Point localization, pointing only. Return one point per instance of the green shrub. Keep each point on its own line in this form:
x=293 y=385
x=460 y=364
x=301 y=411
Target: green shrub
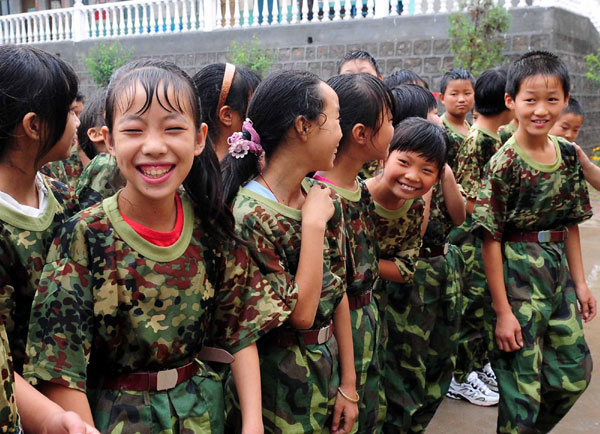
x=252 y=56
x=103 y=59
x=592 y=61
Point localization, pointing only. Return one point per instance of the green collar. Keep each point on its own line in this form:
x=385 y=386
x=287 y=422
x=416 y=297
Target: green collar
x=350 y=195
x=393 y=214
x=485 y=131
x=280 y=208
x=37 y=224
x=548 y=168
x=452 y=128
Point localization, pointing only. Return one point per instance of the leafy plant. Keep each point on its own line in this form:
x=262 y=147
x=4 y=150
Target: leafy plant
x=103 y=59
x=252 y=56
x=476 y=34
x=592 y=61
x=596 y=155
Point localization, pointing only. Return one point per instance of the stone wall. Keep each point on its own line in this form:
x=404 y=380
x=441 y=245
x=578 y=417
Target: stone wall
x=418 y=42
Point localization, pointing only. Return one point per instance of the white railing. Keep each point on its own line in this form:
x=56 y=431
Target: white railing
x=144 y=17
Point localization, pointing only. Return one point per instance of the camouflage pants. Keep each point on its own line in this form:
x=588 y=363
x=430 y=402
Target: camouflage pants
x=194 y=406
x=541 y=382
x=472 y=346
x=366 y=337
x=299 y=387
x=422 y=321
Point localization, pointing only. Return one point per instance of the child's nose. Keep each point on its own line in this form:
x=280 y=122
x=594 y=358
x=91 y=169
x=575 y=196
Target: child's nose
x=154 y=146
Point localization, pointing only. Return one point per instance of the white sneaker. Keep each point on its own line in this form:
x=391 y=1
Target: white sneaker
x=473 y=390
x=488 y=377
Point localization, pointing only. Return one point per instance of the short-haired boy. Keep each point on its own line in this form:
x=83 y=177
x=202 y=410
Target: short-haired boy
x=569 y=122
x=531 y=201
x=421 y=307
x=457 y=93
x=473 y=156
x=358 y=61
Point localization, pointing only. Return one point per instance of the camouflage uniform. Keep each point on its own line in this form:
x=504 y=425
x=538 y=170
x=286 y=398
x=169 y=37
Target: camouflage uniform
x=362 y=269
x=369 y=169
x=475 y=152
x=66 y=171
x=539 y=383
x=9 y=417
x=24 y=242
x=455 y=139
x=100 y=179
x=505 y=132
x=299 y=382
x=109 y=298
x=422 y=318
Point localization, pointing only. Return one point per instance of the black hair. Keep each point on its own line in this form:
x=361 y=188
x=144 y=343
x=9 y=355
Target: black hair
x=455 y=74
x=203 y=182
x=534 y=63
x=573 y=107
x=209 y=81
x=33 y=81
x=423 y=137
x=412 y=100
x=489 y=92
x=404 y=76
x=80 y=97
x=92 y=116
x=363 y=99
x=276 y=104
x=358 y=55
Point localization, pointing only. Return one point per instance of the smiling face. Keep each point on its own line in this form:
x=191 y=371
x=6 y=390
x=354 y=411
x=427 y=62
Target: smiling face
x=154 y=149
x=537 y=105
x=567 y=126
x=409 y=175
x=325 y=133
x=459 y=97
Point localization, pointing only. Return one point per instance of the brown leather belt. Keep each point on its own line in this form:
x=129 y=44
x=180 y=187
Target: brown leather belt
x=167 y=379
x=432 y=252
x=289 y=338
x=536 y=237
x=358 y=301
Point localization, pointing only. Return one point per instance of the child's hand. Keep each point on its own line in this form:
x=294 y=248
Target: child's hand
x=587 y=302
x=318 y=207
x=346 y=410
x=67 y=422
x=582 y=156
x=508 y=333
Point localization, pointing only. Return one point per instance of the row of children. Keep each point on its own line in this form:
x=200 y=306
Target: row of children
x=341 y=299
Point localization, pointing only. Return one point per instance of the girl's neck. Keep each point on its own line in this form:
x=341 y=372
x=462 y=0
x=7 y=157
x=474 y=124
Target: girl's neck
x=159 y=215
x=344 y=171
x=283 y=177
x=221 y=147
x=17 y=178
x=382 y=195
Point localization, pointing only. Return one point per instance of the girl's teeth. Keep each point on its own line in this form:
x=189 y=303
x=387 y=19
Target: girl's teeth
x=155 y=173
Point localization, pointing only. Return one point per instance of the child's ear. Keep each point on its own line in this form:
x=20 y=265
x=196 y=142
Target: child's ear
x=108 y=141
x=302 y=126
x=226 y=115
x=359 y=134
x=567 y=99
x=200 y=139
x=95 y=135
x=509 y=102
x=31 y=126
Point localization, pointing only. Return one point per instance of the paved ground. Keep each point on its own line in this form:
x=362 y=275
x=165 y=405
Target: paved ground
x=460 y=417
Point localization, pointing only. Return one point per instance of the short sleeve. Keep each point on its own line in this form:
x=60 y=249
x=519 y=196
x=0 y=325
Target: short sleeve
x=469 y=167
x=408 y=254
x=581 y=209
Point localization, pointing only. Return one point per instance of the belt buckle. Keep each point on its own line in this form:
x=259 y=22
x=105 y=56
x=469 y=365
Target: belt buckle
x=323 y=335
x=167 y=379
x=544 y=236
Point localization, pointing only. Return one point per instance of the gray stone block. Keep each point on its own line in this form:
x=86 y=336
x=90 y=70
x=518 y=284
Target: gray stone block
x=422 y=47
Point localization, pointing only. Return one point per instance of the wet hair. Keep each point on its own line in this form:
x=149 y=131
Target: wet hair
x=33 y=81
x=92 y=116
x=489 y=92
x=573 y=107
x=209 y=81
x=412 y=100
x=363 y=99
x=534 y=63
x=203 y=183
x=404 y=76
x=358 y=55
x=422 y=137
x=276 y=104
x=455 y=74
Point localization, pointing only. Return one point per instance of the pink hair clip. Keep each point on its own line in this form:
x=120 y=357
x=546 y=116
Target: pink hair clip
x=240 y=146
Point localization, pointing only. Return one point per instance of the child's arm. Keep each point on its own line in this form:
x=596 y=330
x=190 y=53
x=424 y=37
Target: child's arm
x=453 y=199
x=586 y=299
x=40 y=415
x=426 y=211
x=508 y=329
x=246 y=374
x=343 y=334
x=389 y=271
x=590 y=170
x=69 y=399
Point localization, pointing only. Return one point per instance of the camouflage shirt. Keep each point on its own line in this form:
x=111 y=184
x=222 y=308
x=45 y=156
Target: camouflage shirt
x=9 y=417
x=123 y=304
x=455 y=139
x=475 y=152
x=399 y=235
x=439 y=224
x=505 y=132
x=66 y=171
x=101 y=176
x=370 y=169
x=273 y=232
x=24 y=242
x=520 y=194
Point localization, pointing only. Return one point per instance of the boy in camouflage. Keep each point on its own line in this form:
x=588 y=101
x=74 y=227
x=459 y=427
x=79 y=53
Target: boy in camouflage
x=479 y=146
x=531 y=201
x=420 y=307
x=569 y=122
x=457 y=93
